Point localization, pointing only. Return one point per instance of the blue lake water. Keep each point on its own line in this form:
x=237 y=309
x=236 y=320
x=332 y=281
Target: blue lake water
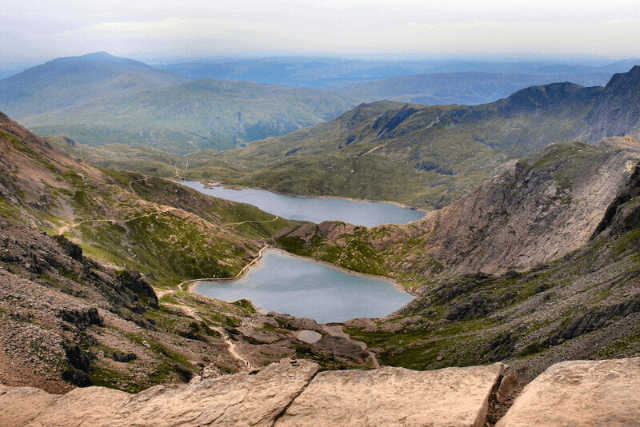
x=304 y=288
x=315 y=209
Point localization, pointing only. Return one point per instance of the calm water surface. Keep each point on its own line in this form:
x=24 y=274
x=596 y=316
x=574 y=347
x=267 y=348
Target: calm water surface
x=314 y=209
x=304 y=288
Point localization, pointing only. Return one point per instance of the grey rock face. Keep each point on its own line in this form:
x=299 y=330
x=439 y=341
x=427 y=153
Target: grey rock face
x=292 y=393
x=580 y=393
x=395 y=397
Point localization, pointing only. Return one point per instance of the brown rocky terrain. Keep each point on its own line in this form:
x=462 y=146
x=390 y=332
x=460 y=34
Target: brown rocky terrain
x=74 y=311
x=293 y=393
x=538 y=210
x=537 y=266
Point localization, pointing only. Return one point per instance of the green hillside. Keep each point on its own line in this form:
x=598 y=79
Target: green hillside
x=203 y=114
x=66 y=82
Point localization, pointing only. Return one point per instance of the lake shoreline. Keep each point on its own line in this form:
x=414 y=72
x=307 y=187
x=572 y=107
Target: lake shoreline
x=309 y=288
x=254 y=263
x=211 y=185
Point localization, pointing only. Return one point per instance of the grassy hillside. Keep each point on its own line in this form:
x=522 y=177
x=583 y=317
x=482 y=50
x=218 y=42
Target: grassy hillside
x=195 y=115
x=416 y=155
x=65 y=82
x=125 y=219
x=421 y=156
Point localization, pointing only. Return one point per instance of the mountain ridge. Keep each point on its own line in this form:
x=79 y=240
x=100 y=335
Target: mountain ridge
x=441 y=152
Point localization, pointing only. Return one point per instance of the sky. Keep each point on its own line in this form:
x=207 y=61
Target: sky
x=35 y=30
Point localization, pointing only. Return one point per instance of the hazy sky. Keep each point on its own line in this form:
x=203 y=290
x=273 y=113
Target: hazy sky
x=32 y=30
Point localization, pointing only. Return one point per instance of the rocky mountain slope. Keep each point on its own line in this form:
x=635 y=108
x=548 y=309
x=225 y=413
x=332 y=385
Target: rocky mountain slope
x=431 y=156
x=536 y=266
x=76 y=311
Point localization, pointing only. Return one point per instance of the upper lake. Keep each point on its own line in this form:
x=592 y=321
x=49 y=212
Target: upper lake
x=315 y=209
x=305 y=288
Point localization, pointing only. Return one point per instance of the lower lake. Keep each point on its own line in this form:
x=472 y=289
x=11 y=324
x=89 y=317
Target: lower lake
x=304 y=288
x=315 y=209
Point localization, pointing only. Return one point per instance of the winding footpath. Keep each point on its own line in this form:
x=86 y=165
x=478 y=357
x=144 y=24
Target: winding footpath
x=249 y=222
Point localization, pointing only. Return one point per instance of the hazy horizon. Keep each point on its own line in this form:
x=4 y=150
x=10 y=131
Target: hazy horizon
x=35 y=32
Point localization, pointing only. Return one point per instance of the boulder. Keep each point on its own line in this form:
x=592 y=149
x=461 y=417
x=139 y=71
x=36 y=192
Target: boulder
x=395 y=397
x=580 y=393
x=341 y=349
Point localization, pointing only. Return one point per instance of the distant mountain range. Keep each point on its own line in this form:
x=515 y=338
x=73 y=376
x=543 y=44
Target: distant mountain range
x=431 y=156
x=98 y=99
x=66 y=82
x=334 y=73
x=466 y=87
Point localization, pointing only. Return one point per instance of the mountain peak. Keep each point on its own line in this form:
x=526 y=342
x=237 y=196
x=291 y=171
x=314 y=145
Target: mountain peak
x=101 y=54
x=622 y=81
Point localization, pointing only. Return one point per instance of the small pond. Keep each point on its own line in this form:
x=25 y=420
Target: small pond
x=315 y=209
x=304 y=288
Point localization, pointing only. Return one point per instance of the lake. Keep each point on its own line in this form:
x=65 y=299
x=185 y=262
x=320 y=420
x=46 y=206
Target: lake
x=315 y=209
x=304 y=288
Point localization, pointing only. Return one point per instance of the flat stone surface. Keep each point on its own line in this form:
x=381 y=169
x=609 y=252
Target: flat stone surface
x=580 y=393
x=243 y=399
x=308 y=336
x=395 y=397
x=20 y=405
x=84 y=407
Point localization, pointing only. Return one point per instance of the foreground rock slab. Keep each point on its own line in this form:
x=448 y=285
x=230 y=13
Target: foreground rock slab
x=20 y=405
x=92 y=406
x=395 y=397
x=580 y=393
x=244 y=399
x=253 y=398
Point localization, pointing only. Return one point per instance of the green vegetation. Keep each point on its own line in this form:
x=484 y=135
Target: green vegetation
x=203 y=114
x=425 y=157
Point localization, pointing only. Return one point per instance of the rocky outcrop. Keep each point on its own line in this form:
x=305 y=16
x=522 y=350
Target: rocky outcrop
x=395 y=396
x=292 y=393
x=540 y=209
x=288 y=393
x=616 y=111
x=580 y=393
x=532 y=214
x=139 y=284
x=21 y=405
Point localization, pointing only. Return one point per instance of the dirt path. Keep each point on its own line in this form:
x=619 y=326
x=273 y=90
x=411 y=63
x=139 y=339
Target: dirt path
x=193 y=282
x=247 y=222
x=136 y=180
x=164 y=209
x=192 y=312
x=232 y=348
x=379 y=146
x=162 y=293
x=436 y=121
